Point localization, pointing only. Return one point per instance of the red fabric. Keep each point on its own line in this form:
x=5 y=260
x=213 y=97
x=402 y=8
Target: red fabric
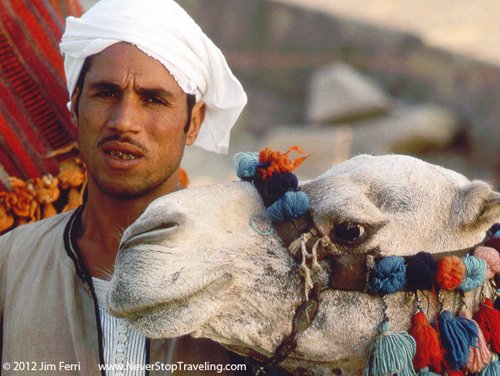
x=34 y=119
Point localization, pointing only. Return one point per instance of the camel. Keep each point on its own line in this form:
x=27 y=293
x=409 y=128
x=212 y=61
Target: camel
x=206 y=261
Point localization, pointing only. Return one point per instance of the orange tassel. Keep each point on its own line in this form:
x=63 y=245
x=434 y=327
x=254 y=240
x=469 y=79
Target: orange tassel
x=488 y=319
x=276 y=162
x=429 y=351
x=450 y=272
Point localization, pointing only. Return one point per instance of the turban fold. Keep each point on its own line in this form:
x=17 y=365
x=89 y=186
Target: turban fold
x=164 y=31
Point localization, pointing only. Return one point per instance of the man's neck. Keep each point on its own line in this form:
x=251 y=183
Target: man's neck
x=103 y=221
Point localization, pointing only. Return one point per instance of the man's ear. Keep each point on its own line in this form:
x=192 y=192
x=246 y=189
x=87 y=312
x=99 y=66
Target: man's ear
x=476 y=205
x=197 y=118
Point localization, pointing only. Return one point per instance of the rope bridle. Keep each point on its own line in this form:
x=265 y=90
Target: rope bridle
x=308 y=247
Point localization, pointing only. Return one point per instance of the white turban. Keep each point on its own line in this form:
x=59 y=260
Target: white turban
x=164 y=31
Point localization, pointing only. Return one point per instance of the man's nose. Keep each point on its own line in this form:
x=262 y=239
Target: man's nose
x=125 y=116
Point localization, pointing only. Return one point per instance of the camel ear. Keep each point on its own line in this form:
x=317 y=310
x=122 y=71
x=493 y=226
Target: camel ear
x=476 y=206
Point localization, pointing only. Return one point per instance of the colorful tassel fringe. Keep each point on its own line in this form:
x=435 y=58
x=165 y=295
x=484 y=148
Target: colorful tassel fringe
x=426 y=372
x=271 y=174
x=480 y=355
x=457 y=335
x=492 y=369
x=429 y=351
x=390 y=353
x=488 y=319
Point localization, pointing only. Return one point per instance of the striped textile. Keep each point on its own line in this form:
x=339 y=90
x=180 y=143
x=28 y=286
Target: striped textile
x=124 y=346
x=34 y=119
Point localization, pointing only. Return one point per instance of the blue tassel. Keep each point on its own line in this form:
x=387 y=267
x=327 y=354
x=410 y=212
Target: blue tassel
x=426 y=372
x=388 y=276
x=477 y=269
x=245 y=164
x=493 y=368
x=290 y=206
x=457 y=334
x=390 y=353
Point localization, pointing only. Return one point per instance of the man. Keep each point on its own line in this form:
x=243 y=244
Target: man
x=144 y=82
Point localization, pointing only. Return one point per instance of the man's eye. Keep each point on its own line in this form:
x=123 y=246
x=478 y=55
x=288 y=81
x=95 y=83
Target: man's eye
x=156 y=100
x=104 y=94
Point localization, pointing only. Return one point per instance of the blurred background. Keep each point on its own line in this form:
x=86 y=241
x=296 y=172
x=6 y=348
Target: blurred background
x=338 y=77
x=343 y=77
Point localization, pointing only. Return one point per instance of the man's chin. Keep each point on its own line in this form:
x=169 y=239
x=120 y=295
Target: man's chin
x=125 y=191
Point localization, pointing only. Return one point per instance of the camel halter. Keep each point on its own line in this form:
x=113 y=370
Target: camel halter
x=368 y=273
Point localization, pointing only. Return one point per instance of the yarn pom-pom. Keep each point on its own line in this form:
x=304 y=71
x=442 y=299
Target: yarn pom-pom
x=492 y=258
x=493 y=243
x=426 y=372
x=420 y=272
x=480 y=355
x=492 y=369
x=290 y=206
x=245 y=164
x=495 y=230
x=477 y=270
x=388 y=275
x=450 y=272
x=390 y=353
x=488 y=319
x=272 y=189
x=429 y=351
x=274 y=162
x=458 y=334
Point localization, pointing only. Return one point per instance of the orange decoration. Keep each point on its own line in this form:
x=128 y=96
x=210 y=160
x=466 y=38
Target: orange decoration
x=450 y=272
x=46 y=193
x=22 y=200
x=183 y=178
x=72 y=177
x=6 y=217
x=276 y=162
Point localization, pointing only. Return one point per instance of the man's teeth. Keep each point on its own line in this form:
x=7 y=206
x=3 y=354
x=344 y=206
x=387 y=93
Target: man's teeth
x=121 y=155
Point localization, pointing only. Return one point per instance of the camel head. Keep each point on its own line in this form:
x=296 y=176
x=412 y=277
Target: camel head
x=207 y=262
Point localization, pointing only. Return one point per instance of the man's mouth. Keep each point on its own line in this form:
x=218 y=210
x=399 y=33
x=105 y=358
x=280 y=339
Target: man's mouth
x=121 y=155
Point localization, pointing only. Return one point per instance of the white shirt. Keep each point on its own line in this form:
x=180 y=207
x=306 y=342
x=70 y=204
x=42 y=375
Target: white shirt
x=124 y=346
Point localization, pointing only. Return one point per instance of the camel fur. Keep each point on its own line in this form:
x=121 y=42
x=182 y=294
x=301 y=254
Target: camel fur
x=201 y=261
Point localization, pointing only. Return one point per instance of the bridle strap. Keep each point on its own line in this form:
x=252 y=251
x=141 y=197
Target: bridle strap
x=302 y=319
x=349 y=271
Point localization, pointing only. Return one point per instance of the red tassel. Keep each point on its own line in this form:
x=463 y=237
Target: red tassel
x=488 y=319
x=452 y=372
x=429 y=351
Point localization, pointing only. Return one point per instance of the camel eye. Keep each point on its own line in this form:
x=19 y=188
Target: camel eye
x=349 y=233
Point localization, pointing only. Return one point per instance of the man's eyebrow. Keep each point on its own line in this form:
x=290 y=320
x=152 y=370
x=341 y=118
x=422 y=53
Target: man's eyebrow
x=154 y=92
x=104 y=85
x=143 y=91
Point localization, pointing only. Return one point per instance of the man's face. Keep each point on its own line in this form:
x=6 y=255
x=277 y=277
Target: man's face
x=131 y=120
